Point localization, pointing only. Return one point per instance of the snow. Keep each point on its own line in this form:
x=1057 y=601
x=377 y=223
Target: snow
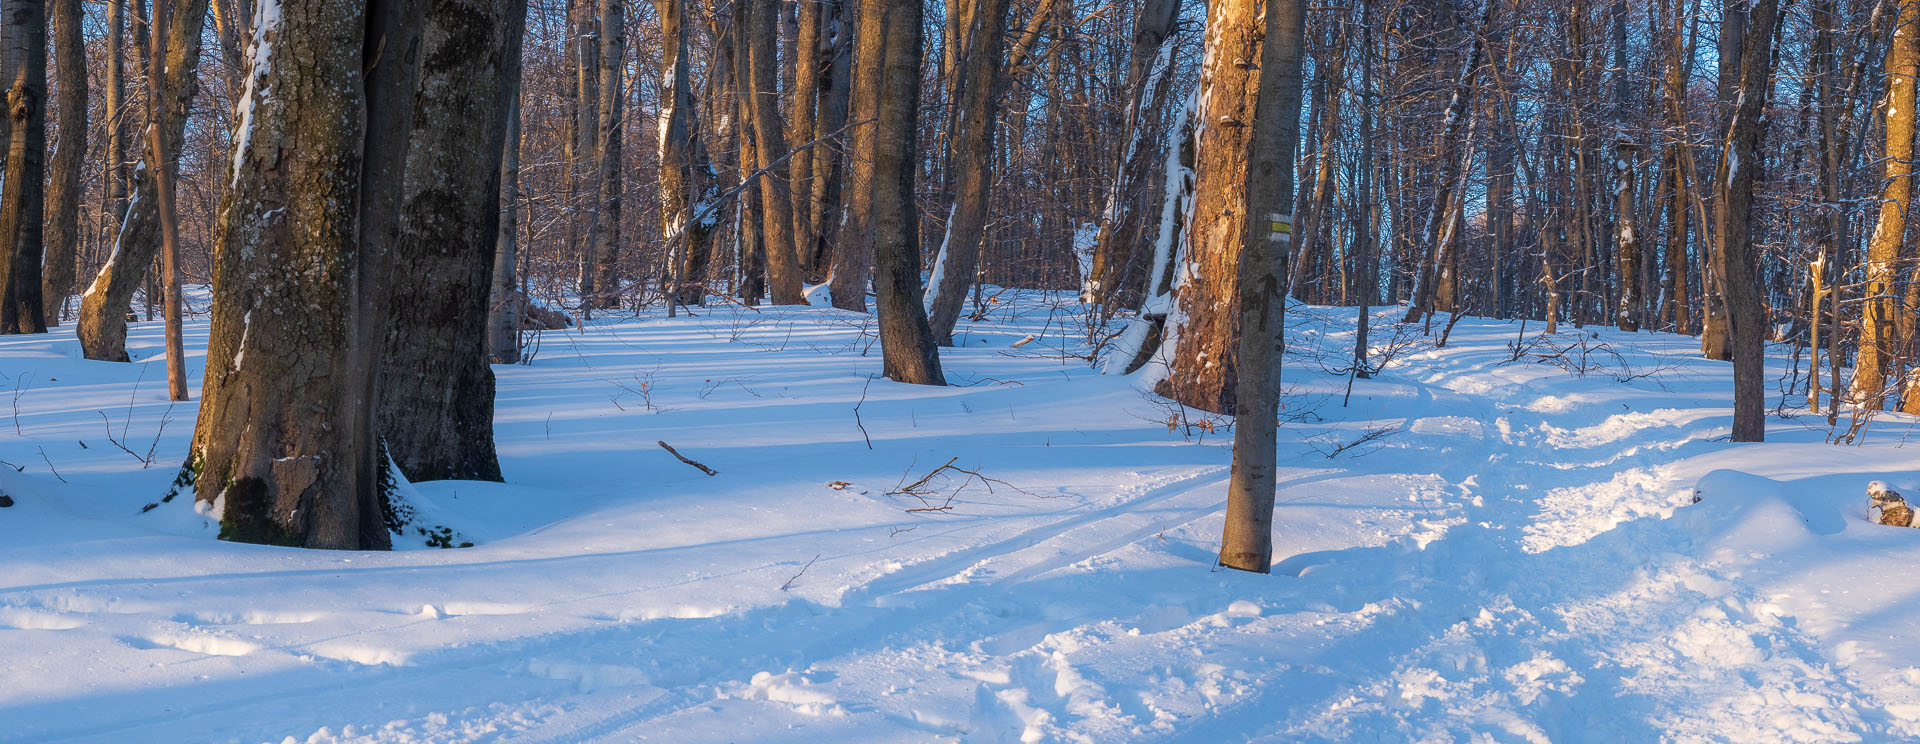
x=1519 y=557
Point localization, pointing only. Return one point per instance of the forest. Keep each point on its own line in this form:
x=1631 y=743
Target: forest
x=1143 y=370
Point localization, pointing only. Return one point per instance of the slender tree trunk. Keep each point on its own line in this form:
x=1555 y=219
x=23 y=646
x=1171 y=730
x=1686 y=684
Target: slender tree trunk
x=784 y=280
x=1456 y=117
x=286 y=450
x=606 y=225
x=894 y=47
x=506 y=305
x=970 y=163
x=585 y=160
x=1127 y=227
x=23 y=201
x=436 y=402
x=805 y=75
x=683 y=187
x=114 y=170
x=1246 y=542
x=1739 y=259
x=163 y=192
x=63 y=189
x=102 y=326
x=1883 y=249
x=854 y=255
x=836 y=78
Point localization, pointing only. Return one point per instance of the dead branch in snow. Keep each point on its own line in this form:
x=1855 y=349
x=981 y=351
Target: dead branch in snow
x=683 y=458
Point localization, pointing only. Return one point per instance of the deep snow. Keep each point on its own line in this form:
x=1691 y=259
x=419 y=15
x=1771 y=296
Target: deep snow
x=1514 y=556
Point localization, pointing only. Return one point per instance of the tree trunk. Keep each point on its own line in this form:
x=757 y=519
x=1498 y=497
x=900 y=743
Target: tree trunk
x=827 y=186
x=760 y=19
x=285 y=450
x=1456 y=116
x=683 y=187
x=1205 y=326
x=157 y=152
x=102 y=326
x=604 y=244
x=1883 y=249
x=436 y=388
x=1246 y=542
x=23 y=201
x=970 y=163
x=806 y=74
x=63 y=189
x=506 y=305
x=114 y=170
x=1738 y=258
x=890 y=42
x=854 y=255
x=1115 y=271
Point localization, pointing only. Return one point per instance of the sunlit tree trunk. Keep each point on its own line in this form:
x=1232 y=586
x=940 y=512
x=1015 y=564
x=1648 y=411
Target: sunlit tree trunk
x=1883 y=249
x=894 y=48
x=23 y=200
x=63 y=188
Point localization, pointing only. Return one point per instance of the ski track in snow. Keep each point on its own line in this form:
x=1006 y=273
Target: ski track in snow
x=1518 y=560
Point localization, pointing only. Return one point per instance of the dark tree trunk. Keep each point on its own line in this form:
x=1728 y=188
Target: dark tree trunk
x=285 y=450
x=436 y=402
x=854 y=255
x=605 y=243
x=23 y=201
x=683 y=185
x=836 y=78
x=761 y=23
x=1738 y=259
x=893 y=47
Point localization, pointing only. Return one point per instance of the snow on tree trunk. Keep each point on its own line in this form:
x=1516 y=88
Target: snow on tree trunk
x=971 y=157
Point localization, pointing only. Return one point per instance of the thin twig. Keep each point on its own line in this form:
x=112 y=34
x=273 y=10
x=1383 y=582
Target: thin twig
x=803 y=571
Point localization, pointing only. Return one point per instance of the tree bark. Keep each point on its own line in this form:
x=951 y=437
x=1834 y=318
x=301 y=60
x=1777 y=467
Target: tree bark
x=683 y=186
x=1738 y=259
x=828 y=182
x=285 y=450
x=506 y=304
x=906 y=342
x=1883 y=249
x=157 y=152
x=977 y=93
x=63 y=189
x=1116 y=270
x=1456 y=116
x=23 y=201
x=436 y=402
x=1246 y=541
x=605 y=242
x=102 y=326
x=854 y=255
x=784 y=281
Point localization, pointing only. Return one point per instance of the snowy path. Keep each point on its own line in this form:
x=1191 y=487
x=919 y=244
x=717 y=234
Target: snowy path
x=1515 y=559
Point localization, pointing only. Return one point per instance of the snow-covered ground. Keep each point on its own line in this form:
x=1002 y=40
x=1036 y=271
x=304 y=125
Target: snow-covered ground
x=1512 y=555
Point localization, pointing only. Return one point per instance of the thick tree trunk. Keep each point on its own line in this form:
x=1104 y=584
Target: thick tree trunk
x=436 y=388
x=906 y=342
x=285 y=450
x=1205 y=327
x=63 y=188
x=1738 y=258
x=1883 y=249
x=102 y=326
x=23 y=201
x=1246 y=542
x=784 y=280
x=970 y=161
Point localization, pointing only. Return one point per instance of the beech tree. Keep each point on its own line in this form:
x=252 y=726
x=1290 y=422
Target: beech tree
x=889 y=87
x=23 y=200
x=286 y=447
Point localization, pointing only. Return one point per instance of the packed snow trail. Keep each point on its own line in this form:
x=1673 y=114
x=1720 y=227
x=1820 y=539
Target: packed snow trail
x=1475 y=547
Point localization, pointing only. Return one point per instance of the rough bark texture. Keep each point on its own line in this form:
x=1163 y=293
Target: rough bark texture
x=1883 y=249
x=784 y=282
x=970 y=161
x=854 y=255
x=63 y=188
x=102 y=326
x=1738 y=258
x=436 y=391
x=285 y=450
x=1202 y=371
x=906 y=342
x=1246 y=541
x=23 y=201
